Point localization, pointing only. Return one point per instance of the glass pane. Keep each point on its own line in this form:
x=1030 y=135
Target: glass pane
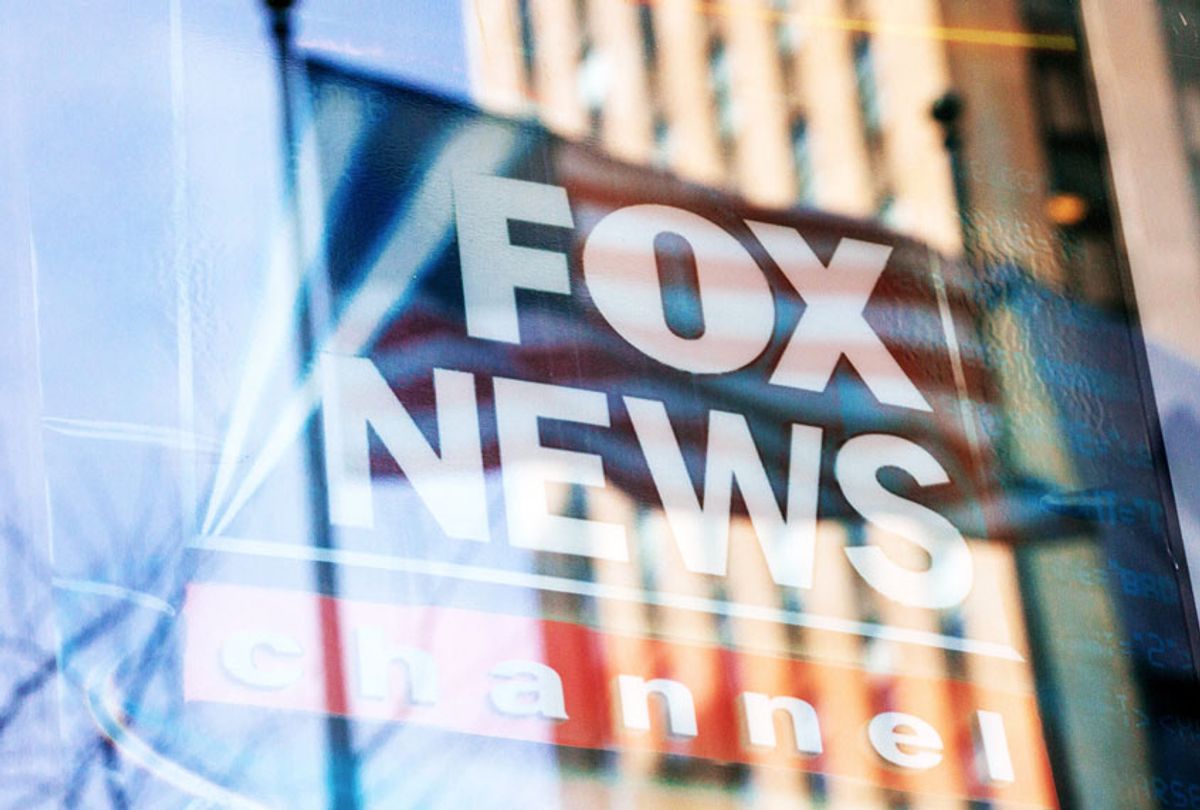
x=600 y=404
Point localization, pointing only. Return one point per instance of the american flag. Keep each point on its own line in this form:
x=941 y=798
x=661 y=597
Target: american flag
x=404 y=138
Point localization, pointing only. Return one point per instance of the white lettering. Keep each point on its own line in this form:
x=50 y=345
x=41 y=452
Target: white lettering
x=702 y=533
x=948 y=579
x=242 y=651
x=450 y=485
x=832 y=324
x=375 y=657
x=887 y=738
x=528 y=689
x=492 y=267
x=759 y=712
x=621 y=270
x=634 y=694
x=997 y=761
x=527 y=466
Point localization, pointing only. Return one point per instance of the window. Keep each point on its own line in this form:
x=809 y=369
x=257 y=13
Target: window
x=593 y=80
x=720 y=80
x=868 y=90
x=1064 y=107
x=802 y=159
x=646 y=27
x=662 y=141
x=528 y=39
x=440 y=459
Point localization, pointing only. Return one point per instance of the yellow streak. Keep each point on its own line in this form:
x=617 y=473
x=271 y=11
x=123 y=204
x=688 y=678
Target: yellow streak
x=971 y=36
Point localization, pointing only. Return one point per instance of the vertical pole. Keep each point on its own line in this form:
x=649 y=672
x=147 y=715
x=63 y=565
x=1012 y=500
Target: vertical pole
x=341 y=766
x=947 y=111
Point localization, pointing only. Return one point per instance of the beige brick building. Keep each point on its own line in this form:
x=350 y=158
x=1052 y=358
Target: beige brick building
x=823 y=104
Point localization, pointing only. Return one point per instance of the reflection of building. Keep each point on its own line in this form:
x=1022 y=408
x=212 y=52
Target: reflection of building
x=891 y=676
x=783 y=107
x=826 y=103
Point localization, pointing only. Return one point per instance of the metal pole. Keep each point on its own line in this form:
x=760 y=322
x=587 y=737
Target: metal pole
x=342 y=764
x=947 y=111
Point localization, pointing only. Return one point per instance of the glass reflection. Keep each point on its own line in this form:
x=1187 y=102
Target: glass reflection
x=619 y=549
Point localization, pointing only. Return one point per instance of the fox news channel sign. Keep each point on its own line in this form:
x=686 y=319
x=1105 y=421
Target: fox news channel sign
x=527 y=335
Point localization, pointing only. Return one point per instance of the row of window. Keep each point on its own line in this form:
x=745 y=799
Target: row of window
x=595 y=80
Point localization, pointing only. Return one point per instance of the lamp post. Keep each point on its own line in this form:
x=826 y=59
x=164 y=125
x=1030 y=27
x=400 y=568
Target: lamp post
x=947 y=111
x=341 y=758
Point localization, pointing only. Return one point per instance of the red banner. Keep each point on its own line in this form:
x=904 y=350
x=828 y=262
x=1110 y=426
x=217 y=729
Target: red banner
x=522 y=678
